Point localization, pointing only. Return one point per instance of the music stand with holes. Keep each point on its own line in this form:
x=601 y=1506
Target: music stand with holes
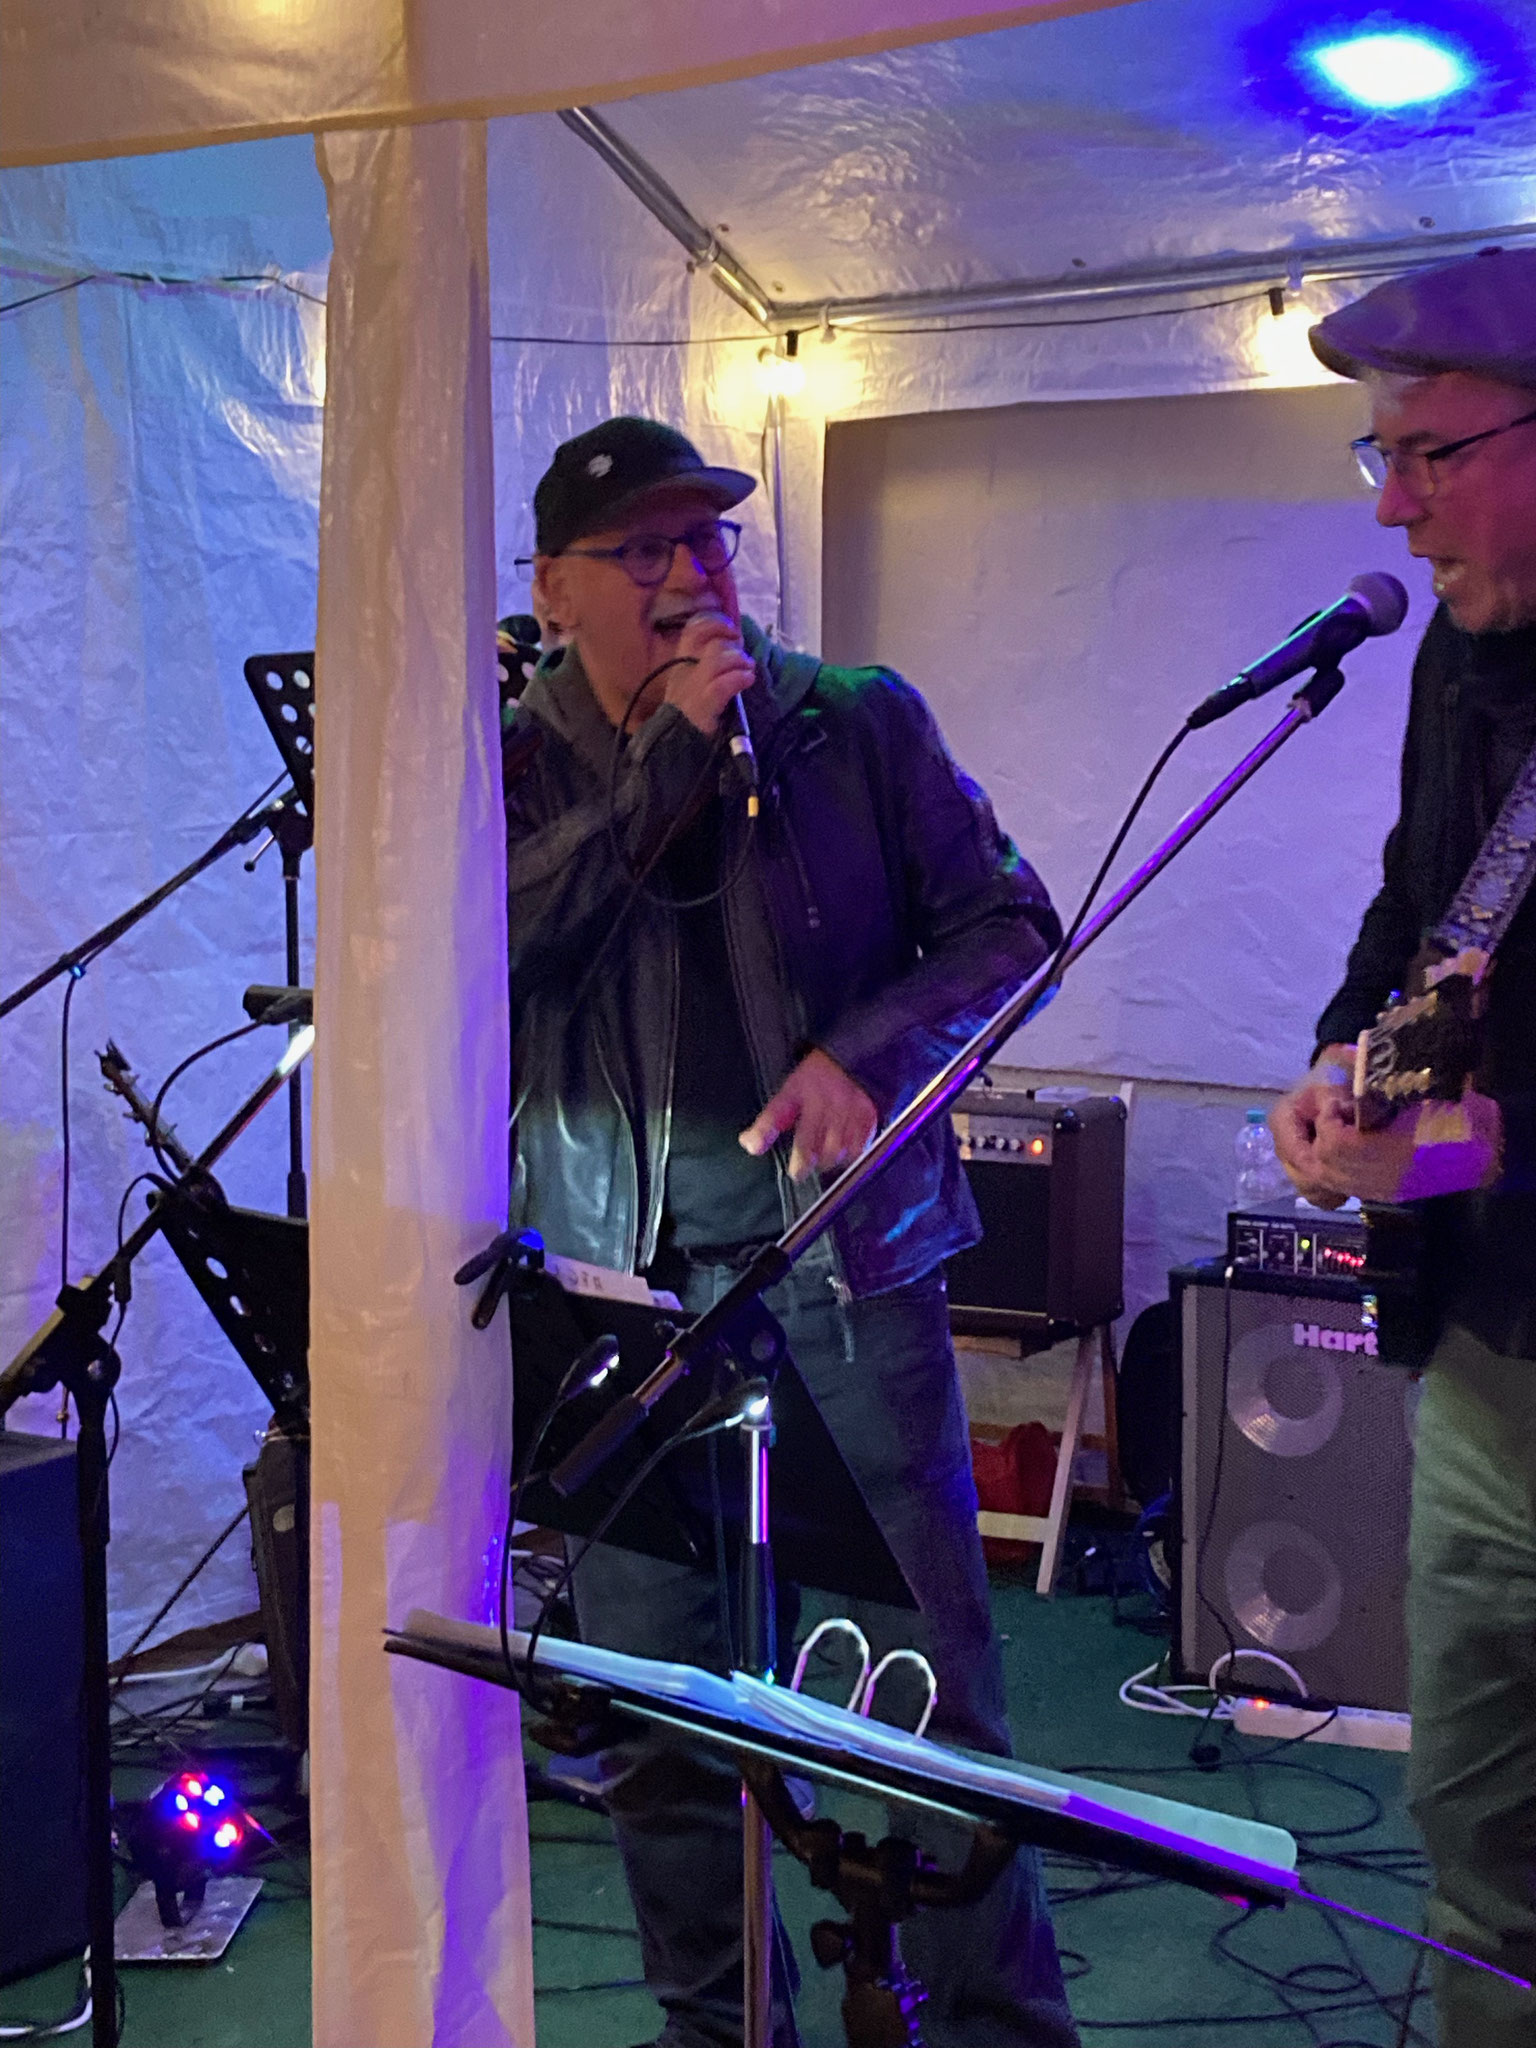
x=283 y=686
x=823 y=1533
x=252 y=1271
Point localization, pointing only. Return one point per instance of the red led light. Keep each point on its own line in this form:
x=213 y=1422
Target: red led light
x=194 y=1787
x=1037 y=1146
x=226 y=1836
x=191 y=1820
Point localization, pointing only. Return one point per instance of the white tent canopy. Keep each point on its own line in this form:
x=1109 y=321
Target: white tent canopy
x=1002 y=253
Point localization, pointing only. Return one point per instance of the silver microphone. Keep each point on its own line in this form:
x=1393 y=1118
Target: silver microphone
x=740 y=768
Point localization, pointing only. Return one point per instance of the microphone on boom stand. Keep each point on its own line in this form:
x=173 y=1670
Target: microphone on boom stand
x=1373 y=604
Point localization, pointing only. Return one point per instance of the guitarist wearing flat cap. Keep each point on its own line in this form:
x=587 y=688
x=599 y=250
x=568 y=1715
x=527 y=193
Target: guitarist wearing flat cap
x=1423 y=1088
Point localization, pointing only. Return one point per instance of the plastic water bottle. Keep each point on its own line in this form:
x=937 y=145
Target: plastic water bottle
x=1260 y=1176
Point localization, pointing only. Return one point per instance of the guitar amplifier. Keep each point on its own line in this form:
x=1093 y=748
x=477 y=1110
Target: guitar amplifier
x=1049 y=1181
x=1295 y=1473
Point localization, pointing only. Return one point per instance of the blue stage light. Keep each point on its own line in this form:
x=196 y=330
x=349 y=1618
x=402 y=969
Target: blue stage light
x=1385 y=69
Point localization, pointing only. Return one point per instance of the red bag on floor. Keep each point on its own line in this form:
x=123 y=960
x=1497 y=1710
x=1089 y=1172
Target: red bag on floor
x=1014 y=1471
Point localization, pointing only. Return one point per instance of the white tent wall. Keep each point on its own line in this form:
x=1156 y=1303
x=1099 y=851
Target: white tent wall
x=161 y=461
x=576 y=260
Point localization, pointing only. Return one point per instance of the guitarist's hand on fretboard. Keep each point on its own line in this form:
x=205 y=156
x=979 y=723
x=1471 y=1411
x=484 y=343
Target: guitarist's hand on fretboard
x=1294 y=1121
x=1430 y=1148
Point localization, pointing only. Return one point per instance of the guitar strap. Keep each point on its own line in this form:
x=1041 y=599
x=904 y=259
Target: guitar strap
x=1501 y=873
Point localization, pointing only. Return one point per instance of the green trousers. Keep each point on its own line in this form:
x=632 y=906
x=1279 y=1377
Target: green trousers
x=1472 y=1627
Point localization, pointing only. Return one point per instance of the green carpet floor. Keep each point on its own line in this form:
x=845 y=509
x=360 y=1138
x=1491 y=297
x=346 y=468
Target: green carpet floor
x=1152 y=1963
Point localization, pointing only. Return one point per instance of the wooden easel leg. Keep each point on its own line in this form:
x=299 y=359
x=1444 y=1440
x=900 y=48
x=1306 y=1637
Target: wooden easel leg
x=1066 y=1458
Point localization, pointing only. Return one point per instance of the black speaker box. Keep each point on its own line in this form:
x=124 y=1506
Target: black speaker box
x=1049 y=1181
x=277 y=1488
x=1296 y=1467
x=42 y=1788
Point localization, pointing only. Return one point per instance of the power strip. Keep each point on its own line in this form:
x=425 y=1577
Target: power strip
x=1356 y=1727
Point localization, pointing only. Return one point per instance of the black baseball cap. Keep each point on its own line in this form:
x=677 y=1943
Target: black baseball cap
x=1476 y=314
x=599 y=474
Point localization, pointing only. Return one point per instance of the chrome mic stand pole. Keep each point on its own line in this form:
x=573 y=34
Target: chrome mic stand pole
x=758 y=1657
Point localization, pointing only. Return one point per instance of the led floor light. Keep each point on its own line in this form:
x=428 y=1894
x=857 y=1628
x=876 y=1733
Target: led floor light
x=189 y=1830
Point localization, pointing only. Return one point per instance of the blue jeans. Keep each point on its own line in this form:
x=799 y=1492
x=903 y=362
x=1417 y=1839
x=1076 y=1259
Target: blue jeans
x=882 y=1373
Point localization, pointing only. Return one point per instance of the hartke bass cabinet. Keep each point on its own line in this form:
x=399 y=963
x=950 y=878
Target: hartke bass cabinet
x=1295 y=1473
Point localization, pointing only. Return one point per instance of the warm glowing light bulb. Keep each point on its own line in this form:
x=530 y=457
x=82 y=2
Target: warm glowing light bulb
x=1393 y=68
x=780 y=376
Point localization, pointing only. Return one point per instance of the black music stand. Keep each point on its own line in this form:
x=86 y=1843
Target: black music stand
x=823 y=1534
x=284 y=688
x=600 y=1696
x=252 y=1271
x=820 y=1533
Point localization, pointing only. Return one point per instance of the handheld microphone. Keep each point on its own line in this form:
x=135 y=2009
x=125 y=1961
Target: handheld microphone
x=1374 y=604
x=739 y=770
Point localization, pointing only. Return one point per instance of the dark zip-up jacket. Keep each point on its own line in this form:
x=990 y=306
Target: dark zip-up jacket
x=880 y=914
x=1471 y=721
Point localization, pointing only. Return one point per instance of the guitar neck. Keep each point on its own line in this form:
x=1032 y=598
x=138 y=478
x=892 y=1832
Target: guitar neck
x=118 y=1075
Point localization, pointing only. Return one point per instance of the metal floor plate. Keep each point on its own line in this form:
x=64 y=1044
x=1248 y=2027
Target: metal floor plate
x=141 y=1939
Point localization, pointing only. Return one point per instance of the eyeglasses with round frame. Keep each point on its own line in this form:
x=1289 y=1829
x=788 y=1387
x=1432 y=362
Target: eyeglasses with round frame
x=1415 y=467
x=646 y=558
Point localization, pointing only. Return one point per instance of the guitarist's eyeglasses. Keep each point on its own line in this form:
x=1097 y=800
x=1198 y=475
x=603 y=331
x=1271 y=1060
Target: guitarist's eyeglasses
x=1416 y=466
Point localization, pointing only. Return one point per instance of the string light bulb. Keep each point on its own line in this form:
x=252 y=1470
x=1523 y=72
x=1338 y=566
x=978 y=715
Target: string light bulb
x=780 y=370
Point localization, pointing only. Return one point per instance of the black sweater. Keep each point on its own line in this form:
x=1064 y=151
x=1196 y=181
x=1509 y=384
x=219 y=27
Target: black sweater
x=1471 y=722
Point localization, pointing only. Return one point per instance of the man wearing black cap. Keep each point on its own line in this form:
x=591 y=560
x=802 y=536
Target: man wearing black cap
x=1449 y=356
x=717 y=993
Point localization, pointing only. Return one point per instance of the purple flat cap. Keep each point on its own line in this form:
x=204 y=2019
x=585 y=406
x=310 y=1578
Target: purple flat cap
x=1477 y=314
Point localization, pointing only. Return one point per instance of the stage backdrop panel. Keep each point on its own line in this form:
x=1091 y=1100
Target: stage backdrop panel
x=1066 y=582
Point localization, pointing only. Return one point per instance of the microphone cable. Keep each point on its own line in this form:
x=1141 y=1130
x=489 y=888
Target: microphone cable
x=640 y=875
x=1053 y=979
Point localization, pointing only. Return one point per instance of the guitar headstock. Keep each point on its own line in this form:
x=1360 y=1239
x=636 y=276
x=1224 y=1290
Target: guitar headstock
x=119 y=1077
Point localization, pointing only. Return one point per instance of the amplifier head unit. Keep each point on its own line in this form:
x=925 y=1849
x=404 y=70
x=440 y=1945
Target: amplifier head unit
x=1279 y=1237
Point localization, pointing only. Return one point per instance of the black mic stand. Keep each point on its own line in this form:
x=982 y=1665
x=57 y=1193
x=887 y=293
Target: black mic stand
x=722 y=1325
x=770 y=1266
x=283 y=686
x=294 y=832
x=71 y=1351
x=759 y=1654
x=268 y=818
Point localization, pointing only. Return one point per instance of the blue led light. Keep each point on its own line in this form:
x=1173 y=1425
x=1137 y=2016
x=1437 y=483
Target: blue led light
x=1387 y=69
x=1377 y=70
